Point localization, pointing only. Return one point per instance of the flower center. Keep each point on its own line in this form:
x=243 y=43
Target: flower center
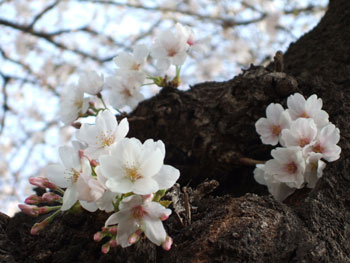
x=136 y=66
x=126 y=92
x=291 y=168
x=303 y=142
x=75 y=175
x=318 y=148
x=172 y=52
x=107 y=140
x=133 y=174
x=78 y=103
x=276 y=130
x=304 y=115
x=138 y=212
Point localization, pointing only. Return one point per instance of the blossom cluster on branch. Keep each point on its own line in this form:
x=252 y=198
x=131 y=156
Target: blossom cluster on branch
x=308 y=141
x=103 y=169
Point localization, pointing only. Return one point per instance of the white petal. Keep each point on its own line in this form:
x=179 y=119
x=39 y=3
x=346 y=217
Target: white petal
x=259 y=174
x=273 y=112
x=144 y=186
x=156 y=210
x=70 y=197
x=89 y=206
x=151 y=163
x=123 y=185
x=69 y=157
x=56 y=174
x=167 y=176
x=154 y=230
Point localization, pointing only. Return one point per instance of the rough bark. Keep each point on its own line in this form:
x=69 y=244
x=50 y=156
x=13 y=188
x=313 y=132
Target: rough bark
x=208 y=131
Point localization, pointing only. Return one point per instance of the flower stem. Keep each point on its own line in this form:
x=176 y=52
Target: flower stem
x=249 y=161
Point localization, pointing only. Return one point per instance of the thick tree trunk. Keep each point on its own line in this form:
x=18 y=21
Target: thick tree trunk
x=209 y=132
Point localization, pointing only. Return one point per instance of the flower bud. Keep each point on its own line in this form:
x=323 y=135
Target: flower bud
x=167 y=243
x=105 y=248
x=33 y=200
x=113 y=230
x=76 y=125
x=38 y=227
x=42 y=182
x=135 y=237
x=98 y=236
x=94 y=163
x=113 y=243
x=50 y=197
x=31 y=210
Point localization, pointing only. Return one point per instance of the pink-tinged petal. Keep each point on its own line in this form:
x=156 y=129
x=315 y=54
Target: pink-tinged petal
x=69 y=157
x=124 y=60
x=145 y=186
x=89 y=206
x=270 y=140
x=125 y=230
x=273 y=113
x=56 y=174
x=70 y=197
x=280 y=191
x=329 y=134
x=332 y=153
x=151 y=163
x=156 y=210
x=321 y=118
x=313 y=103
x=167 y=176
x=116 y=218
x=123 y=185
x=154 y=230
x=263 y=127
x=296 y=105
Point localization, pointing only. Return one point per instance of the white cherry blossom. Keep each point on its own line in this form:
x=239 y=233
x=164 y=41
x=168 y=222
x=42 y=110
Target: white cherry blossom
x=298 y=107
x=270 y=128
x=169 y=49
x=125 y=90
x=71 y=174
x=326 y=143
x=72 y=104
x=301 y=133
x=280 y=191
x=288 y=166
x=104 y=135
x=90 y=82
x=134 y=62
x=195 y=45
x=135 y=214
x=138 y=168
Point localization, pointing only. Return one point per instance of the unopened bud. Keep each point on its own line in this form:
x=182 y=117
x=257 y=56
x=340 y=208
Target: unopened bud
x=113 y=230
x=50 y=197
x=133 y=238
x=31 y=210
x=42 y=182
x=98 y=236
x=33 y=200
x=105 y=248
x=113 y=243
x=164 y=217
x=167 y=243
x=38 y=227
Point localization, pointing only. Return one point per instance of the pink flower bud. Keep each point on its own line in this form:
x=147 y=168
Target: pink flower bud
x=113 y=243
x=113 y=230
x=31 y=210
x=38 y=227
x=42 y=182
x=105 y=248
x=135 y=237
x=167 y=243
x=33 y=200
x=98 y=236
x=50 y=197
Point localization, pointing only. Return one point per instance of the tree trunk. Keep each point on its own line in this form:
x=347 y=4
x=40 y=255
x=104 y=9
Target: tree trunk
x=209 y=133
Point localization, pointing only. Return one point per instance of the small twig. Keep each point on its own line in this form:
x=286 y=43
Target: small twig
x=249 y=161
x=187 y=206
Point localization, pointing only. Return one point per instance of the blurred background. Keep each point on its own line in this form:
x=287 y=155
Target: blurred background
x=44 y=45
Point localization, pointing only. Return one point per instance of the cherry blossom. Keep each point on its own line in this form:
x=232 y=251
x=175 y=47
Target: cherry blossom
x=314 y=169
x=195 y=45
x=270 y=128
x=301 y=133
x=131 y=63
x=125 y=90
x=280 y=191
x=326 y=143
x=138 y=168
x=288 y=166
x=104 y=135
x=169 y=48
x=137 y=215
x=90 y=82
x=73 y=104
x=298 y=107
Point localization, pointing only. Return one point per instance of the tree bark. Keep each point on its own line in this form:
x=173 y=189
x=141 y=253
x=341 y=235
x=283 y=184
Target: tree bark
x=209 y=134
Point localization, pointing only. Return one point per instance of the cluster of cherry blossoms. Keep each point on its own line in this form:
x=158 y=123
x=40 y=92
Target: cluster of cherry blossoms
x=123 y=89
x=103 y=169
x=307 y=138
